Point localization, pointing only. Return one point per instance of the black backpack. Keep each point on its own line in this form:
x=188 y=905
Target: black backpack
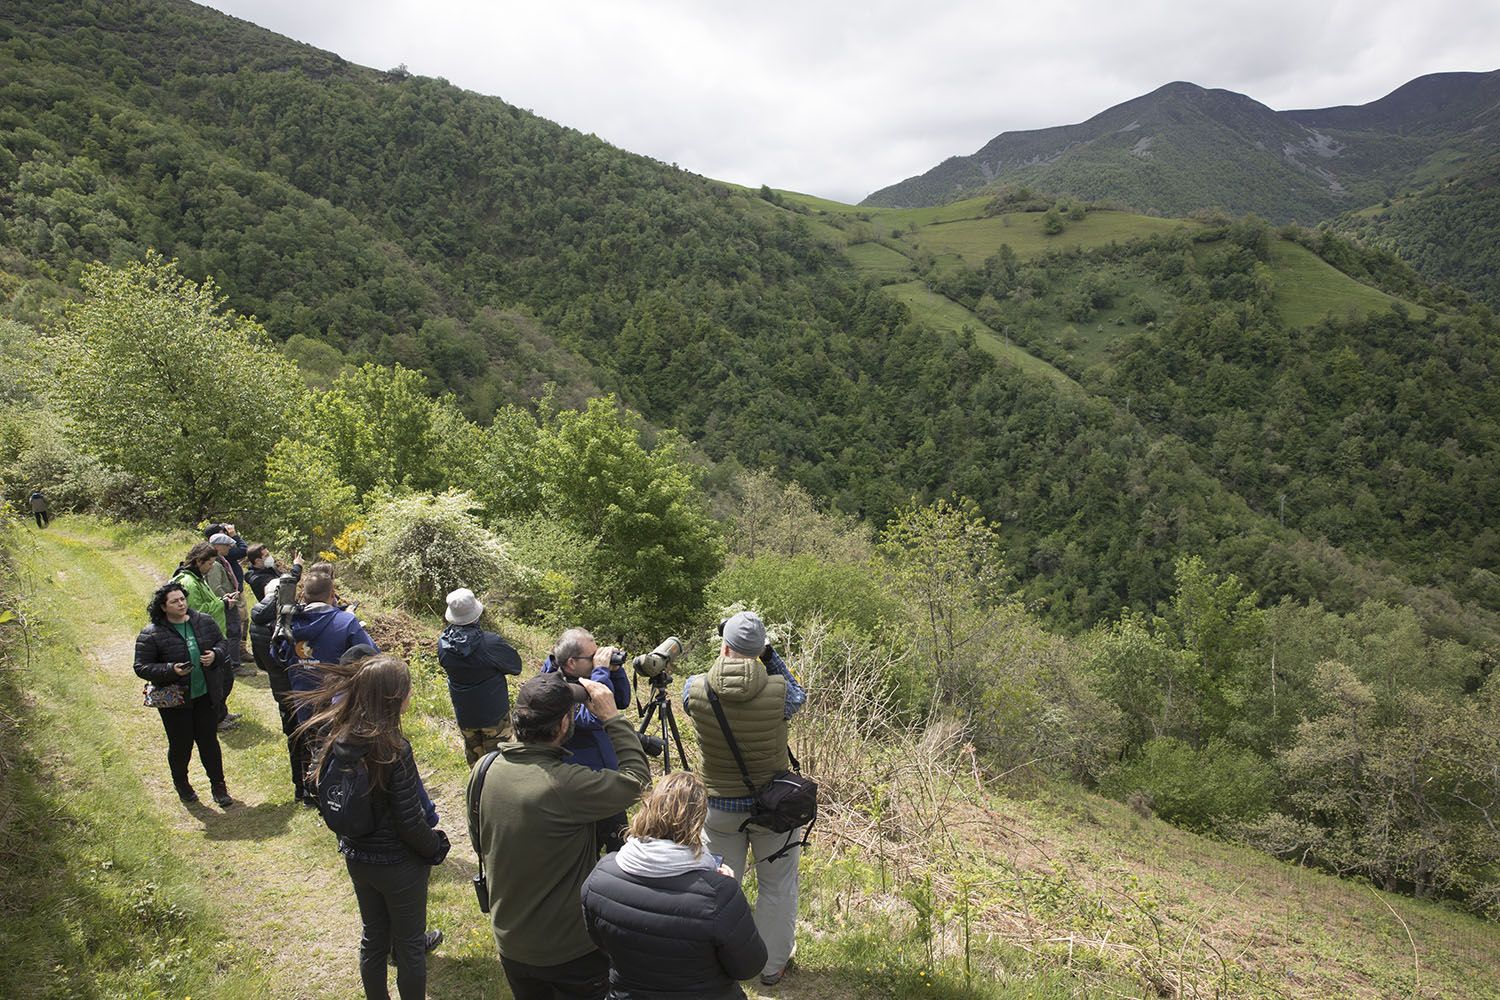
x=344 y=794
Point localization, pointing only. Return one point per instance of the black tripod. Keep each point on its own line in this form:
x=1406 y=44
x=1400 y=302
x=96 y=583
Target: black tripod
x=661 y=706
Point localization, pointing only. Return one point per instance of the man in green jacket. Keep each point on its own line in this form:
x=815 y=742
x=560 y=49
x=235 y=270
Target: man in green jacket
x=536 y=835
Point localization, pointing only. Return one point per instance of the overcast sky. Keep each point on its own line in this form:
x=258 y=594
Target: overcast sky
x=841 y=98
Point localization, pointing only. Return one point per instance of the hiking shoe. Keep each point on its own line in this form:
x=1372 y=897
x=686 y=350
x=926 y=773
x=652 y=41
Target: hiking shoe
x=430 y=940
x=222 y=796
x=233 y=716
x=186 y=793
x=228 y=723
x=772 y=978
x=244 y=671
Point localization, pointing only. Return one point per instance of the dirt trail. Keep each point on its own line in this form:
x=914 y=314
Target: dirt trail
x=268 y=865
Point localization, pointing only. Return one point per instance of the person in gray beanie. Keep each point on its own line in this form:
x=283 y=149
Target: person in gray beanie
x=476 y=663
x=759 y=695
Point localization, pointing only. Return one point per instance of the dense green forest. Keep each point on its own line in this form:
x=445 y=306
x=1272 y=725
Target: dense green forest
x=1233 y=548
x=365 y=215
x=1449 y=232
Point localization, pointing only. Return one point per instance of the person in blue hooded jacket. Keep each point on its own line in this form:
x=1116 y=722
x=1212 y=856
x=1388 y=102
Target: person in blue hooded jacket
x=577 y=655
x=476 y=663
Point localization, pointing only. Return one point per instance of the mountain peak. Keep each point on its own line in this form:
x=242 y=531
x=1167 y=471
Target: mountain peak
x=1184 y=146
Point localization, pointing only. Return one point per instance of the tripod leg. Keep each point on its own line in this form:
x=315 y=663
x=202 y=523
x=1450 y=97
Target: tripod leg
x=669 y=723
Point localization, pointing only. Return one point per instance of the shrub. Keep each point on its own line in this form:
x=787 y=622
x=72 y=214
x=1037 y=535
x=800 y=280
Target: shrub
x=554 y=567
x=420 y=546
x=1198 y=789
x=801 y=588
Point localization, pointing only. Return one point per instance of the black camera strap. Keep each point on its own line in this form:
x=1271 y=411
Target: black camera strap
x=476 y=794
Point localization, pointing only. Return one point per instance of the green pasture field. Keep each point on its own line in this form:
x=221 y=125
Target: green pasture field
x=975 y=239
x=875 y=260
x=1309 y=288
x=943 y=313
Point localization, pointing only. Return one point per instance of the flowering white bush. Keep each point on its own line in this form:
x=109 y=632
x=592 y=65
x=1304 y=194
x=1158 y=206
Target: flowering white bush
x=420 y=546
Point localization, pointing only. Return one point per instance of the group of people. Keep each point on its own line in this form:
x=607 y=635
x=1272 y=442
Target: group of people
x=552 y=781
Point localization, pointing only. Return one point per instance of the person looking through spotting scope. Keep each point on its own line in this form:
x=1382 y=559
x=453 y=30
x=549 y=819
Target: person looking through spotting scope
x=758 y=695
x=577 y=655
x=533 y=817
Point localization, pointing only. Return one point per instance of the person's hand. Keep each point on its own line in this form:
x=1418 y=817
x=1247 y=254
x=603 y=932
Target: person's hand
x=231 y=597
x=297 y=559
x=229 y=530
x=208 y=657
x=602 y=655
x=601 y=699
x=726 y=870
x=182 y=669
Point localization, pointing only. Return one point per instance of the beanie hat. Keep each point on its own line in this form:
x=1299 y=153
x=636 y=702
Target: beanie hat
x=463 y=607
x=746 y=633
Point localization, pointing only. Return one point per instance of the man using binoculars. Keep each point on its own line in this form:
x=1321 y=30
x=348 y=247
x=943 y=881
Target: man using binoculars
x=757 y=695
x=578 y=656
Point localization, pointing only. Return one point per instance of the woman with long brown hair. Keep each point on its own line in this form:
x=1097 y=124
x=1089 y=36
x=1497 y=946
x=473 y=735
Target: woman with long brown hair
x=669 y=915
x=355 y=723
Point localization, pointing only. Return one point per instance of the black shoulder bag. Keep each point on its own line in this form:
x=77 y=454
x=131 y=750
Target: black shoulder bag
x=476 y=793
x=786 y=802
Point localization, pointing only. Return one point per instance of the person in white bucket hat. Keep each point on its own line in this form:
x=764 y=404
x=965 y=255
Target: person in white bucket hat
x=476 y=663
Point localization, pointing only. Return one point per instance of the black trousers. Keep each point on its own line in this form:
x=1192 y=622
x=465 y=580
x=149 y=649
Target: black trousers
x=585 y=978
x=393 y=907
x=297 y=750
x=42 y=517
x=186 y=725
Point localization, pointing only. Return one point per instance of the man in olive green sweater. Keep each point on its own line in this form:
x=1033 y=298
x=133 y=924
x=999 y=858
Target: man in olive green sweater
x=536 y=835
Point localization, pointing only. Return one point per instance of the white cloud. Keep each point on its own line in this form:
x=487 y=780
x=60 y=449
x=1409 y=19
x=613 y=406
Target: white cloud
x=839 y=99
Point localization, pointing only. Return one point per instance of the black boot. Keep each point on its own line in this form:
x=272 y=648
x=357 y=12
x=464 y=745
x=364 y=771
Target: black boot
x=222 y=796
x=185 y=792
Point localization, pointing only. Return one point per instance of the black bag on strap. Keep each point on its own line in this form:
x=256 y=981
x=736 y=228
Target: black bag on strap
x=476 y=792
x=785 y=802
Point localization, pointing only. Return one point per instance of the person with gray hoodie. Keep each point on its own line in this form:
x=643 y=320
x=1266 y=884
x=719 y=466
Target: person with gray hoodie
x=476 y=663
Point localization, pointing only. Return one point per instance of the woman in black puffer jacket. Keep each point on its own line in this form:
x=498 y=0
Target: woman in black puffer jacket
x=356 y=717
x=672 y=920
x=180 y=653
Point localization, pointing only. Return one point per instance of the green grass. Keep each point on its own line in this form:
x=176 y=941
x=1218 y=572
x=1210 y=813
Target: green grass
x=943 y=313
x=972 y=240
x=875 y=260
x=1308 y=288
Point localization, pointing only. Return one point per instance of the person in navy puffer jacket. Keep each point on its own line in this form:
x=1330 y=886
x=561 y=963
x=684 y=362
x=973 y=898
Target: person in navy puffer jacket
x=476 y=663
x=671 y=918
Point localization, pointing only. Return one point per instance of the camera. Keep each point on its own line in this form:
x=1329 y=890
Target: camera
x=658 y=662
x=653 y=745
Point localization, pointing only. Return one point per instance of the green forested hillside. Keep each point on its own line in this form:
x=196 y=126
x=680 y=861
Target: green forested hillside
x=361 y=214
x=1449 y=232
x=1198 y=513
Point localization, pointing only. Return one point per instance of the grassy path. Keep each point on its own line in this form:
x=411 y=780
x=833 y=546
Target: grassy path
x=255 y=899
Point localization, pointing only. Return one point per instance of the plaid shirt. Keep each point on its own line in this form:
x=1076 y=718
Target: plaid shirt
x=796 y=697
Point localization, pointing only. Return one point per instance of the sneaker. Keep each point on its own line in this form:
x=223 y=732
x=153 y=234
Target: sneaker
x=228 y=723
x=233 y=716
x=772 y=978
x=186 y=793
x=429 y=941
x=222 y=796
x=244 y=671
